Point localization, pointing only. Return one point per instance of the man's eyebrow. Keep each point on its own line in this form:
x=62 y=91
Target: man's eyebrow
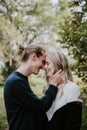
x=46 y=62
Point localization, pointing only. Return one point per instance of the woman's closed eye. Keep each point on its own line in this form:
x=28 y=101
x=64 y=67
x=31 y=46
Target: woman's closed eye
x=47 y=63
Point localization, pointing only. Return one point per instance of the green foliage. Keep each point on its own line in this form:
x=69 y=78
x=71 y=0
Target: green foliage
x=83 y=87
x=84 y=93
x=26 y=22
x=74 y=37
x=8 y=68
x=84 y=117
x=7 y=48
x=37 y=83
x=3 y=121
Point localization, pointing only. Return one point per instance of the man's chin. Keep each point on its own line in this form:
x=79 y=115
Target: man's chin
x=36 y=72
x=49 y=75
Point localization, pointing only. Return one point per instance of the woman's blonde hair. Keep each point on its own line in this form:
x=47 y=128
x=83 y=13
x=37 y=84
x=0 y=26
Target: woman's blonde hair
x=60 y=61
x=25 y=52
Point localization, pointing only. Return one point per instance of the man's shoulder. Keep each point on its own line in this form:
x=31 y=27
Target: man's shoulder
x=11 y=79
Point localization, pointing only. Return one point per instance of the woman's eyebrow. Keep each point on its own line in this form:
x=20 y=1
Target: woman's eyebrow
x=46 y=62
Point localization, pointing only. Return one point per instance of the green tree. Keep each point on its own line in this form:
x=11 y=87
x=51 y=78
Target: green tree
x=7 y=47
x=74 y=35
x=27 y=22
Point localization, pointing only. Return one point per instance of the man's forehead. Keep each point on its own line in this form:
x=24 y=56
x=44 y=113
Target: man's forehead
x=44 y=56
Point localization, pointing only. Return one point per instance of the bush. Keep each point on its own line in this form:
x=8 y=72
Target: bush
x=3 y=122
x=84 y=117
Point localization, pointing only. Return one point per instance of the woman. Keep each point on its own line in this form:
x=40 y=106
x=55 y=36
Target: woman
x=24 y=109
x=66 y=110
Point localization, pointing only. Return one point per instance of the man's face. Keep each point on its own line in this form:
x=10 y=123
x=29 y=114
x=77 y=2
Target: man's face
x=38 y=64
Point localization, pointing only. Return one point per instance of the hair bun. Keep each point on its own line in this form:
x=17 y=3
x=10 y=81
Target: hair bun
x=20 y=49
x=21 y=46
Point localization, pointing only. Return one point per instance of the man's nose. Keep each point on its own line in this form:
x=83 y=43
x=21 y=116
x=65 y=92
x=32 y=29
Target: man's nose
x=44 y=67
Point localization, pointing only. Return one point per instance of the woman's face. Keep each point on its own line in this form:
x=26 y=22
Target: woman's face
x=49 y=67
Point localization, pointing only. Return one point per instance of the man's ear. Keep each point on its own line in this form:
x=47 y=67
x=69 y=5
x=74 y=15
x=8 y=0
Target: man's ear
x=33 y=56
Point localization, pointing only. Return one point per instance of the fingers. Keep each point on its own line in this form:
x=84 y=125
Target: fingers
x=56 y=78
x=58 y=73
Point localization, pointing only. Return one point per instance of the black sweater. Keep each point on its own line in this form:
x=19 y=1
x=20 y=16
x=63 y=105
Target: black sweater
x=24 y=109
x=68 y=117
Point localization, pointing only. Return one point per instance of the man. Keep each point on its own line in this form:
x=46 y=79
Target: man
x=24 y=109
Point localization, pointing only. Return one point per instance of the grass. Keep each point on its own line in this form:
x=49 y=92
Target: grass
x=1 y=99
x=37 y=84
x=3 y=120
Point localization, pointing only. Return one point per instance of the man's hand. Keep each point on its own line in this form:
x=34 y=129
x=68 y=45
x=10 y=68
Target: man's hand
x=56 y=78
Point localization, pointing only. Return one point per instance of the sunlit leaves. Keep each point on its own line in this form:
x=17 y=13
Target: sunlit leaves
x=74 y=37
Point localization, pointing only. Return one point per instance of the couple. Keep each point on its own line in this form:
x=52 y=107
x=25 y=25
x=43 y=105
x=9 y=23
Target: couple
x=59 y=108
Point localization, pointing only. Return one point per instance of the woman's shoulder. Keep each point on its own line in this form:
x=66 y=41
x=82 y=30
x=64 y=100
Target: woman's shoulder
x=71 y=86
x=72 y=90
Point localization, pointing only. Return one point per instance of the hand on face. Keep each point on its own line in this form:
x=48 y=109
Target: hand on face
x=56 y=78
